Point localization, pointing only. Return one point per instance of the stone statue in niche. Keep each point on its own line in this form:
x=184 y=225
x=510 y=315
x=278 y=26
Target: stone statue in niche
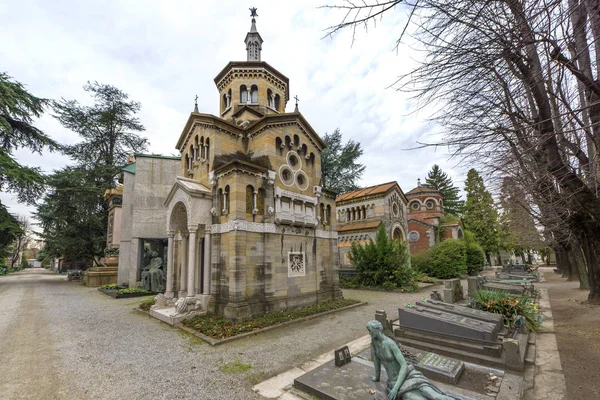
x=153 y=275
x=404 y=381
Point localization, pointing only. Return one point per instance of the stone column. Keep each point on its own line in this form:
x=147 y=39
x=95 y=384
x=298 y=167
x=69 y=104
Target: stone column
x=183 y=274
x=191 y=287
x=207 y=264
x=170 y=271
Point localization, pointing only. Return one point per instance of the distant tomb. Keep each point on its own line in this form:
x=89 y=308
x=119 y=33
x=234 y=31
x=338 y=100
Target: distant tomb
x=463 y=333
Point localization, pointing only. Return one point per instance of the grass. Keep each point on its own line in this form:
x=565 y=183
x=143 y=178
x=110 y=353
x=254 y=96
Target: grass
x=218 y=328
x=146 y=304
x=236 y=367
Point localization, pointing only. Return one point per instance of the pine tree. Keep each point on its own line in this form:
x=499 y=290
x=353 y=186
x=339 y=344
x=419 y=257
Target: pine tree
x=480 y=215
x=440 y=181
x=73 y=213
x=18 y=108
x=519 y=233
x=340 y=170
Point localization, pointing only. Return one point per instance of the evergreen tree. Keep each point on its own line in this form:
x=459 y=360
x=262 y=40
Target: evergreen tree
x=109 y=129
x=480 y=215
x=340 y=169
x=18 y=108
x=73 y=213
x=517 y=226
x=440 y=181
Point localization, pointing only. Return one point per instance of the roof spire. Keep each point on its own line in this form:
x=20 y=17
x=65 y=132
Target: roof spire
x=297 y=100
x=196 y=104
x=253 y=39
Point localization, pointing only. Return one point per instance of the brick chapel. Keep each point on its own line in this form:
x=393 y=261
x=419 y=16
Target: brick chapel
x=249 y=227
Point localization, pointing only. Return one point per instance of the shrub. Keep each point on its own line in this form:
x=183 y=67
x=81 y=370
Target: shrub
x=447 y=259
x=509 y=306
x=383 y=263
x=419 y=262
x=133 y=290
x=475 y=258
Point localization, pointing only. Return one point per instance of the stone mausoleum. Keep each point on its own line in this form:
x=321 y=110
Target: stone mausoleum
x=361 y=212
x=427 y=224
x=245 y=226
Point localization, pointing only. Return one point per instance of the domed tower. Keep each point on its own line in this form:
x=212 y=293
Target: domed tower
x=425 y=203
x=252 y=84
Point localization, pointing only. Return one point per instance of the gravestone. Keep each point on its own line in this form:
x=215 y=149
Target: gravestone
x=484 y=316
x=518 y=290
x=342 y=356
x=452 y=291
x=444 y=323
x=440 y=368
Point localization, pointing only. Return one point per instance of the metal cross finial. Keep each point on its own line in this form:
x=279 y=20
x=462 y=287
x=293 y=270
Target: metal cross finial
x=253 y=12
x=196 y=100
x=297 y=100
x=196 y=104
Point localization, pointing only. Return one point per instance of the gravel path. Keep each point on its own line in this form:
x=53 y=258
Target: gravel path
x=62 y=340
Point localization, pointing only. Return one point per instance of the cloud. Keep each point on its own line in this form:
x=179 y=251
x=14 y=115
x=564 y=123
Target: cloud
x=164 y=53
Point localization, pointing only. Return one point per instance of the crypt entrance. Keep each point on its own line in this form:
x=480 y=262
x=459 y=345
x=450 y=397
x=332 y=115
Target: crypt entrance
x=189 y=206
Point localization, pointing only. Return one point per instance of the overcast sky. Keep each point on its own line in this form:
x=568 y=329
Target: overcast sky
x=163 y=53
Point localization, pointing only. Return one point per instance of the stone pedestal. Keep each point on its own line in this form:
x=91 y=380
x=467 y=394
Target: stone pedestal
x=102 y=275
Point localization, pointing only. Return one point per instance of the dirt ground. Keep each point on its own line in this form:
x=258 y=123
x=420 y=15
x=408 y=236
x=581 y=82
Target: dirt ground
x=577 y=326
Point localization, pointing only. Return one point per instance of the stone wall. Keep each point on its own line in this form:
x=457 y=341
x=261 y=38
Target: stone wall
x=144 y=214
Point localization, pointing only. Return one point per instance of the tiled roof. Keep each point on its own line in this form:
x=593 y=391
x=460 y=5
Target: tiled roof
x=372 y=190
x=360 y=226
x=422 y=189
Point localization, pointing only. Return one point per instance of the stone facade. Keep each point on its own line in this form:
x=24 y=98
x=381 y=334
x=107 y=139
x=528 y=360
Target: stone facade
x=426 y=224
x=249 y=228
x=360 y=213
x=146 y=183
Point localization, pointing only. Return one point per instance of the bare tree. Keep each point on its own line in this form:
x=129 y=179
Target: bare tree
x=517 y=84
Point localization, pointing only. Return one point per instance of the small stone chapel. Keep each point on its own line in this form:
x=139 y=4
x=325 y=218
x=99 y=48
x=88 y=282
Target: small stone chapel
x=249 y=227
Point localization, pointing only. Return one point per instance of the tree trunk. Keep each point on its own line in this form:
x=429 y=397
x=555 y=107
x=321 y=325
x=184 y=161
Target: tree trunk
x=580 y=265
x=590 y=243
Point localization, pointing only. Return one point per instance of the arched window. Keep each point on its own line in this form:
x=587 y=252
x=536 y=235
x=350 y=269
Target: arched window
x=187 y=165
x=249 y=199
x=278 y=146
x=277 y=102
x=305 y=151
x=206 y=149
x=322 y=213
x=219 y=204
x=364 y=211
x=225 y=200
x=228 y=98
x=270 y=98
x=347 y=215
x=288 y=141
x=328 y=215
x=312 y=159
x=243 y=94
x=296 y=141
x=254 y=94
x=260 y=202
x=201 y=152
x=224 y=102
x=196 y=149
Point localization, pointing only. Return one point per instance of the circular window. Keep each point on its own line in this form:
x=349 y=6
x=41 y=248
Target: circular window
x=293 y=160
x=395 y=209
x=413 y=236
x=415 y=205
x=301 y=180
x=286 y=175
x=430 y=204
